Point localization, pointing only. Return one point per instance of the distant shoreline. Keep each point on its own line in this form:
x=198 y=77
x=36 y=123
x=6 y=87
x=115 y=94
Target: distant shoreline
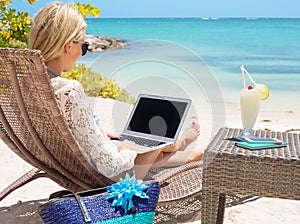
x=100 y=43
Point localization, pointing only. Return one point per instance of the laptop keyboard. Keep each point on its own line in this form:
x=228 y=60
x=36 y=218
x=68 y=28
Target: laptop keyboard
x=141 y=141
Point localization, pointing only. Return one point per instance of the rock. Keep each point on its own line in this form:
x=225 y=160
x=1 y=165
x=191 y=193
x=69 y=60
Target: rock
x=99 y=43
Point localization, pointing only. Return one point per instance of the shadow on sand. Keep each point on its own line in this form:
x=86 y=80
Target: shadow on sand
x=22 y=212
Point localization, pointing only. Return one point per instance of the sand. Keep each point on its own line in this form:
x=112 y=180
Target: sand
x=20 y=206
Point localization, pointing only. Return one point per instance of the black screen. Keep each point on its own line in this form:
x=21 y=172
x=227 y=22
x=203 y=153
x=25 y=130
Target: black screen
x=157 y=117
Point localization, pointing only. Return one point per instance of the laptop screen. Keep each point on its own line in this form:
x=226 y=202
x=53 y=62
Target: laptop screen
x=158 y=116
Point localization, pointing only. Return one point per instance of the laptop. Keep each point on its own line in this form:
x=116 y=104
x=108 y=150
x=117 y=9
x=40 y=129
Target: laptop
x=155 y=121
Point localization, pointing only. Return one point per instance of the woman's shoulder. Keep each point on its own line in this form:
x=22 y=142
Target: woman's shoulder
x=64 y=84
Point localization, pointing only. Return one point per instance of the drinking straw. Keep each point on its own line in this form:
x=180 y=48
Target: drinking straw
x=248 y=74
x=243 y=75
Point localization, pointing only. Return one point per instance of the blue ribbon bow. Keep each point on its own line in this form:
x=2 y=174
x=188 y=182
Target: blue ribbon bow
x=123 y=191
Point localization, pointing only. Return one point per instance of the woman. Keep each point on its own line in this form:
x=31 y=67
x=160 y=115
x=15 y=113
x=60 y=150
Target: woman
x=58 y=31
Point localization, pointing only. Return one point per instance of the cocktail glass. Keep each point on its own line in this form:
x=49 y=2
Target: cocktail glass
x=250 y=102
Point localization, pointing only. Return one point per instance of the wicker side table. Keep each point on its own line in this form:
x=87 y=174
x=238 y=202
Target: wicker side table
x=233 y=170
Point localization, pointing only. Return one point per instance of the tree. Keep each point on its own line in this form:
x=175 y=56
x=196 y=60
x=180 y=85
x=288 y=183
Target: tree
x=14 y=25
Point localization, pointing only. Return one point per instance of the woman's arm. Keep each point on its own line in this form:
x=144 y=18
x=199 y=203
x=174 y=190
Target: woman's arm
x=94 y=144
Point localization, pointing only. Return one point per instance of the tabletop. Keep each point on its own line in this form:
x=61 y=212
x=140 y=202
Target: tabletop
x=224 y=142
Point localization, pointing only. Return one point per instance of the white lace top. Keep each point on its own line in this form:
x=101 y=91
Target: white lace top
x=94 y=144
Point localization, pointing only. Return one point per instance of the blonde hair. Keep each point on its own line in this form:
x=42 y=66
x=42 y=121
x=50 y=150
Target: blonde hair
x=53 y=26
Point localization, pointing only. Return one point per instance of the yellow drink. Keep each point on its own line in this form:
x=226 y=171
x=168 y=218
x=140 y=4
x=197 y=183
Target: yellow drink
x=250 y=104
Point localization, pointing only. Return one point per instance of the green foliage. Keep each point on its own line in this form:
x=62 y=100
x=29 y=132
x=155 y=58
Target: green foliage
x=87 y=9
x=8 y=2
x=14 y=28
x=14 y=25
x=96 y=85
x=124 y=96
x=5 y=2
x=32 y=1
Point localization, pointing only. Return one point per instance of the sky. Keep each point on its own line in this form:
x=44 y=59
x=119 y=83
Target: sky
x=181 y=8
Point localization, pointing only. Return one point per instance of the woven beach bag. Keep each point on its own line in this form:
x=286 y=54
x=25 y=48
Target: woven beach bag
x=96 y=206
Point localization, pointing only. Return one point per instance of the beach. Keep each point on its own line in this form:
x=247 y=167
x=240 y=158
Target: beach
x=194 y=58
x=21 y=205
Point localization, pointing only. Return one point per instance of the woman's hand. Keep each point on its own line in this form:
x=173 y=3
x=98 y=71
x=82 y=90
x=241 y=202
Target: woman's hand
x=113 y=136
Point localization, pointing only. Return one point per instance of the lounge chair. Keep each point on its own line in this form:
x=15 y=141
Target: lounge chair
x=31 y=124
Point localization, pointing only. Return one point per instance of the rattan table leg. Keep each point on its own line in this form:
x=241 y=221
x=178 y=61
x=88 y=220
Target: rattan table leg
x=221 y=208
x=213 y=207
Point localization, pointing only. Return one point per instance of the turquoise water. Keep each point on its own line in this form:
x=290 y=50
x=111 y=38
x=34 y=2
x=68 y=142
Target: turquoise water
x=268 y=48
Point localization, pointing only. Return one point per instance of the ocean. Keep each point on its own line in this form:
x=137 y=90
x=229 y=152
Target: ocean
x=201 y=57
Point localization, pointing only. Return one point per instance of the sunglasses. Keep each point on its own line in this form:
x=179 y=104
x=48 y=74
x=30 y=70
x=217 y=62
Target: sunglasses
x=84 y=46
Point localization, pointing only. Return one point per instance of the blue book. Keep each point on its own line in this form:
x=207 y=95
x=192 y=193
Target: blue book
x=258 y=146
